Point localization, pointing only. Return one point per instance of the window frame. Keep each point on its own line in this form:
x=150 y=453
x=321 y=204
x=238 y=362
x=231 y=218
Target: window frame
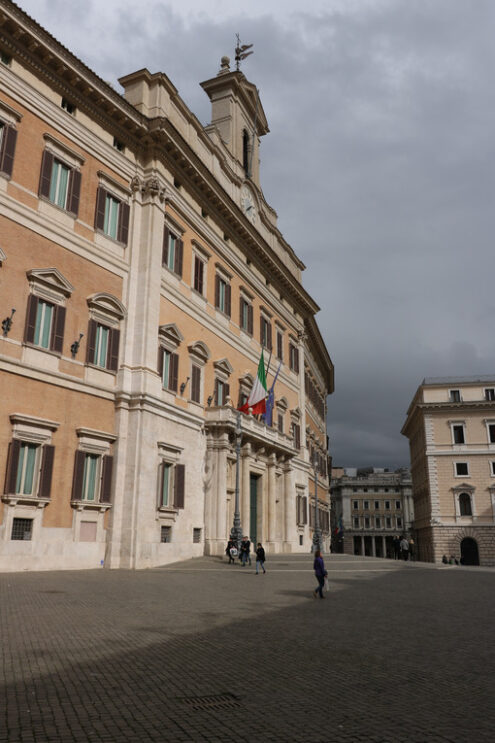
x=172 y=260
x=461 y=474
x=118 y=194
x=9 y=121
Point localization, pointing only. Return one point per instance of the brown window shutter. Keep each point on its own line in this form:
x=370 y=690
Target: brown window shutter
x=113 y=349
x=305 y=509
x=298 y=509
x=179 y=482
x=280 y=346
x=12 y=463
x=7 y=150
x=46 y=174
x=174 y=372
x=123 y=224
x=32 y=309
x=250 y=319
x=196 y=384
x=78 y=475
x=201 y=275
x=91 y=347
x=165 y=246
x=228 y=299
x=262 y=325
x=297 y=436
x=101 y=196
x=215 y=396
x=241 y=312
x=269 y=327
x=57 y=339
x=47 y=454
x=160 y=361
x=106 y=480
x=217 y=291
x=179 y=252
x=74 y=192
x=196 y=273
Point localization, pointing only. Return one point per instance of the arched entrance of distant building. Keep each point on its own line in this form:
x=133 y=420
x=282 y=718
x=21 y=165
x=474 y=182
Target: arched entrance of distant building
x=469 y=552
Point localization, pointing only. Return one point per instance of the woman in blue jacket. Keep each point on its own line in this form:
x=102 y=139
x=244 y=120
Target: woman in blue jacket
x=320 y=572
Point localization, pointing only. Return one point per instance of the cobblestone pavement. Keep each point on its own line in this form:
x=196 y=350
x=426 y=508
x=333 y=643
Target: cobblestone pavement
x=204 y=651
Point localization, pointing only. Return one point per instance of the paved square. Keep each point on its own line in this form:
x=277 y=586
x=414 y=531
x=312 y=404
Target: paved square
x=204 y=651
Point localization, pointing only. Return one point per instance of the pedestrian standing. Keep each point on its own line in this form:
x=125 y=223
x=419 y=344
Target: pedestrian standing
x=231 y=551
x=245 y=551
x=260 y=558
x=396 y=548
x=320 y=572
x=404 y=548
x=411 y=549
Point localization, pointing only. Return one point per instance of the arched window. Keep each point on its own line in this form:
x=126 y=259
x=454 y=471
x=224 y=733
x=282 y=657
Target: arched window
x=465 y=508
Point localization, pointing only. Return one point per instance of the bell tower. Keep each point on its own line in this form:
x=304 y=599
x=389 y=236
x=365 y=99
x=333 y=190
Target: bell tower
x=238 y=115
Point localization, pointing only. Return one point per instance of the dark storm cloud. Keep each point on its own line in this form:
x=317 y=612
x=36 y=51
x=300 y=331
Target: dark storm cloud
x=379 y=164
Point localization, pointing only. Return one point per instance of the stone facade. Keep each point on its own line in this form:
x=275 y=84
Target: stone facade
x=451 y=430
x=142 y=273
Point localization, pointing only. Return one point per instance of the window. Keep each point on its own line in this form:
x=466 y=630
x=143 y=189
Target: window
x=119 y=146
x=222 y=295
x=387 y=505
x=199 y=272
x=112 y=216
x=103 y=346
x=388 y=521
x=92 y=477
x=5 y=59
x=491 y=432
x=294 y=358
x=280 y=422
x=365 y=490
x=302 y=510
x=296 y=435
x=461 y=469
x=246 y=316
x=355 y=505
x=399 y=522
x=356 y=522
x=68 y=106
x=366 y=505
x=45 y=323
x=173 y=251
x=280 y=345
x=265 y=332
x=8 y=139
x=22 y=529
x=60 y=183
x=385 y=490
x=492 y=469
x=195 y=383
x=168 y=368
x=490 y=394
x=465 y=508
x=458 y=433
x=29 y=469
x=377 y=505
x=366 y=522
x=166 y=534
x=378 y=522
x=222 y=391
x=196 y=536
x=171 y=485
x=454 y=396
x=397 y=505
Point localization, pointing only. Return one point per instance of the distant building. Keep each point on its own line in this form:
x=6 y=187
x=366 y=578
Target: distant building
x=451 y=430
x=369 y=507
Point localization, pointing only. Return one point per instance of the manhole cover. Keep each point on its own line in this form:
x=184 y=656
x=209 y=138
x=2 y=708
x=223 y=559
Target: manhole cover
x=219 y=701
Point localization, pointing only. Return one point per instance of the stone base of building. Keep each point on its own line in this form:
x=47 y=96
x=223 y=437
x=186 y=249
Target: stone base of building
x=469 y=545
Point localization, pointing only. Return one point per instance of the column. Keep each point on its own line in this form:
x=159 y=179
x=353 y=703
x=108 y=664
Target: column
x=244 y=486
x=272 y=496
x=289 y=508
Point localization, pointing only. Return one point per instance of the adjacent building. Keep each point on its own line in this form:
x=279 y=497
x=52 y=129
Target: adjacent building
x=142 y=273
x=370 y=506
x=451 y=430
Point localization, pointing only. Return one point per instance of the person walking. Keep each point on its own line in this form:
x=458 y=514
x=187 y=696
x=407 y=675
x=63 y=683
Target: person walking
x=320 y=572
x=404 y=547
x=245 y=551
x=260 y=558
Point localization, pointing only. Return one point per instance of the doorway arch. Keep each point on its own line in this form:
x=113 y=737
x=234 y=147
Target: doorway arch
x=469 y=552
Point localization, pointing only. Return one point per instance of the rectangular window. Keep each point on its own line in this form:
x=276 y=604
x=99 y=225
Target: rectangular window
x=91 y=478
x=399 y=522
x=454 y=395
x=29 y=469
x=246 y=316
x=59 y=184
x=458 y=434
x=26 y=469
x=491 y=433
x=222 y=295
x=103 y=346
x=280 y=423
x=296 y=435
x=389 y=522
x=8 y=138
x=119 y=146
x=490 y=394
x=377 y=505
x=43 y=328
x=387 y=505
x=68 y=106
x=196 y=383
x=165 y=492
x=112 y=216
x=45 y=324
x=22 y=529
x=367 y=522
x=378 y=522
x=166 y=534
x=294 y=358
x=5 y=59
x=199 y=269
x=397 y=505
x=366 y=505
x=222 y=391
x=356 y=522
x=280 y=345
x=355 y=505
x=492 y=469
x=170 y=370
x=196 y=536
x=461 y=469
x=265 y=333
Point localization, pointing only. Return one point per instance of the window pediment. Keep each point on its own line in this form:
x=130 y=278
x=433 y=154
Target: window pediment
x=200 y=351
x=282 y=404
x=223 y=365
x=463 y=488
x=49 y=281
x=296 y=414
x=106 y=305
x=170 y=333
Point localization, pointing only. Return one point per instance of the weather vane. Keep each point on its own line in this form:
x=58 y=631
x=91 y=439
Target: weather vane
x=241 y=52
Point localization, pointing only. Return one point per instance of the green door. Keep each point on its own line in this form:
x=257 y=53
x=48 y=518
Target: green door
x=253 y=509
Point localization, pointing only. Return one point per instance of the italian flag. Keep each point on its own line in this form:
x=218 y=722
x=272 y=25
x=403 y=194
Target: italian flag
x=257 y=397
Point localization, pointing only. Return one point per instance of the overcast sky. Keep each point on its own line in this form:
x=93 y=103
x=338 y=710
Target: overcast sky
x=379 y=163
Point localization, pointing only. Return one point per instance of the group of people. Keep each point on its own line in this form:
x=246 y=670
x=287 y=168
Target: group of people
x=244 y=553
x=403 y=548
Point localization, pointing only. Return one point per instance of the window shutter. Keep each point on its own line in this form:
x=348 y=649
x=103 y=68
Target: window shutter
x=91 y=347
x=106 y=480
x=262 y=321
x=228 y=299
x=179 y=478
x=298 y=509
x=241 y=312
x=113 y=350
x=32 y=309
x=196 y=384
x=269 y=328
x=74 y=192
x=160 y=361
x=12 y=463
x=305 y=509
x=297 y=436
x=47 y=454
x=217 y=291
x=280 y=344
x=215 y=400
x=123 y=226
x=78 y=475
x=57 y=340
x=46 y=174
x=179 y=252
x=8 y=150
x=165 y=246
x=174 y=371
x=250 y=319
x=101 y=196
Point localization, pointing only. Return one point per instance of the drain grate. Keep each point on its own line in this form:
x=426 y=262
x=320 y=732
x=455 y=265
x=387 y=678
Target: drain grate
x=219 y=701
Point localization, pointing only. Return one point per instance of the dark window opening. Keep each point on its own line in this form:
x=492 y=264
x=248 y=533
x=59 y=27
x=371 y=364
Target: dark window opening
x=68 y=106
x=166 y=534
x=465 y=508
x=22 y=529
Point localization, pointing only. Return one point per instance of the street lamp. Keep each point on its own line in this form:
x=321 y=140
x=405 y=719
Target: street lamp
x=317 y=530
x=236 y=531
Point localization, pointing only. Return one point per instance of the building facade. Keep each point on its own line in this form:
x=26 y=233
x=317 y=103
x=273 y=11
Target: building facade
x=142 y=273
x=451 y=430
x=370 y=506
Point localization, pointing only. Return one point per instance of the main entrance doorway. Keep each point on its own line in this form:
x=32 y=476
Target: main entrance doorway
x=253 y=509
x=469 y=552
